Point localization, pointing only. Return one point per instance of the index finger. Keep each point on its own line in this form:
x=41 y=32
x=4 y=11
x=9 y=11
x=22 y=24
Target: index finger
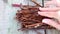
x=49 y=9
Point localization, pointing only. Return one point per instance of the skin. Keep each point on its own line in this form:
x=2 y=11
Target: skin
x=51 y=12
x=52 y=2
x=49 y=21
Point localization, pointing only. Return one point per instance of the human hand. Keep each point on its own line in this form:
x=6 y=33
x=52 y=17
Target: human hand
x=49 y=12
x=54 y=3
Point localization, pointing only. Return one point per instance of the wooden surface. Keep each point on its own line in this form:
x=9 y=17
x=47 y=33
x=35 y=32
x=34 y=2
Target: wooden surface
x=8 y=25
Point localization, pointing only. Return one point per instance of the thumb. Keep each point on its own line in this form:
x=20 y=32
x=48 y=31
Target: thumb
x=52 y=23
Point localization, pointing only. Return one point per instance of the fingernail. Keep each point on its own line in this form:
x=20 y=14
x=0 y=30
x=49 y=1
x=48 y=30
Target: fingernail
x=38 y=12
x=45 y=20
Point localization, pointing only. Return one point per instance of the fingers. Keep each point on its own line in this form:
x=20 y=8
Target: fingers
x=52 y=23
x=48 y=14
x=58 y=15
x=50 y=9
